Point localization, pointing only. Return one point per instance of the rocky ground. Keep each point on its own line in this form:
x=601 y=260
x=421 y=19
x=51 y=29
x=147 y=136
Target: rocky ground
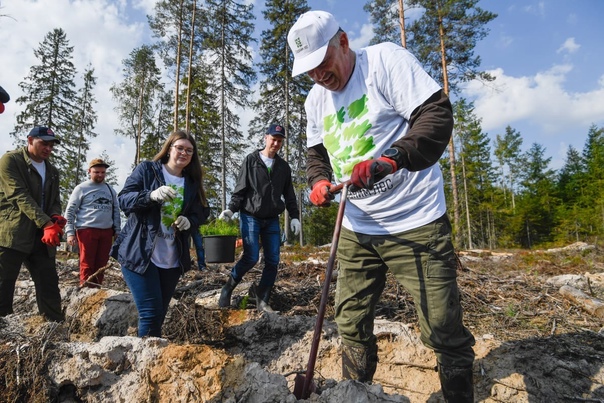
x=534 y=343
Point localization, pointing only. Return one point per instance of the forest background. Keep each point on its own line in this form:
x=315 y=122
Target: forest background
x=501 y=192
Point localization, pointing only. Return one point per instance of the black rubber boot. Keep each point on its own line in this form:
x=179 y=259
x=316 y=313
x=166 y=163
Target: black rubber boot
x=359 y=363
x=262 y=297
x=457 y=384
x=225 y=293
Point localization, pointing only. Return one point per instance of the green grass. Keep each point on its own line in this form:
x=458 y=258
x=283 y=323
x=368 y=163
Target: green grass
x=220 y=227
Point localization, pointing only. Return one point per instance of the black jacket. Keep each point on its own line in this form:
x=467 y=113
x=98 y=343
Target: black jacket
x=259 y=193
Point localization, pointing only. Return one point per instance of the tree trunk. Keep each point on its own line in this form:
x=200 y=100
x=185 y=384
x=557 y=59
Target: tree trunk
x=190 y=71
x=454 y=190
x=401 y=17
x=177 y=78
x=465 y=185
x=591 y=305
x=223 y=129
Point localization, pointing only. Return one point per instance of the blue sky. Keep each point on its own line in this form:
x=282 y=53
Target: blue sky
x=546 y=55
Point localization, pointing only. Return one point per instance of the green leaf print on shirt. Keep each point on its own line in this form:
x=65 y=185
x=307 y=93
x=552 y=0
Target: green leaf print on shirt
x=170 y=210
x=345 y=138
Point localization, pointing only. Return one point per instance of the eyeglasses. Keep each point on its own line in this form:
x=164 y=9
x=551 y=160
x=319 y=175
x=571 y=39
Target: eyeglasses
x=182 y=150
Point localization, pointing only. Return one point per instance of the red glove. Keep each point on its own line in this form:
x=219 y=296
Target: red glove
x=59 y=220
x=52 y=235
x=366 y=173
x=320 y=195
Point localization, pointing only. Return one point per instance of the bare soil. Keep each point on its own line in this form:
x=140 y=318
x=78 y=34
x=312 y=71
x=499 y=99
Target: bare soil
x=533 y=345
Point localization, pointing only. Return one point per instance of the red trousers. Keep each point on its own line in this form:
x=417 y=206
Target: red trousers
x=95 y=245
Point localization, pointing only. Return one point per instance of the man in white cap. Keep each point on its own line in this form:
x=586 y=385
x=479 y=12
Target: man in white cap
x=376 y=120
x=93 y=219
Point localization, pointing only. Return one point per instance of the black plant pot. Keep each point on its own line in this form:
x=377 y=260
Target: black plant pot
x=219 y=248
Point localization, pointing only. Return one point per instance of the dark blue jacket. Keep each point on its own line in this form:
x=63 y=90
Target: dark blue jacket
x=134 y=246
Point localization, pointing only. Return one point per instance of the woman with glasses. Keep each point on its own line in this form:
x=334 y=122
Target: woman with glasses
x=164 y=201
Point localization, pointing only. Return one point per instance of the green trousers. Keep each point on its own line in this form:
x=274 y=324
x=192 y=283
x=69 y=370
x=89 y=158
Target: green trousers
x=424 y=262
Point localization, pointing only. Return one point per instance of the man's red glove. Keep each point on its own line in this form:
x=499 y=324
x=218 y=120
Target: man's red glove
x=59 y=220
x=365 y=174
x=52 y=235
x=320 y=194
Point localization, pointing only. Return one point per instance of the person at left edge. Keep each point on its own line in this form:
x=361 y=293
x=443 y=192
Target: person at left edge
x=4 y=98
x=161 y=199
x=30 y=222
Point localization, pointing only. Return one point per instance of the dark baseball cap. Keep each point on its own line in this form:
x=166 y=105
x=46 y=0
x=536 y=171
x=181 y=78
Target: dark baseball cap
x=276 y=130
x=43 y=133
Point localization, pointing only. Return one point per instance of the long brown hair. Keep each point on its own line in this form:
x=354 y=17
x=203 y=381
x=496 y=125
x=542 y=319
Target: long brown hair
x=193 y=169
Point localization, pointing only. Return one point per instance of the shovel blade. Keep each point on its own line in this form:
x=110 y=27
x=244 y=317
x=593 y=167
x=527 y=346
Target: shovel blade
x=299 y=391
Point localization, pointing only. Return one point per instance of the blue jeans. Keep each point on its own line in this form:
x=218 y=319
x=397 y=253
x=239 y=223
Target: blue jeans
x=253 y=231
x=201 y=253
x=152 y=292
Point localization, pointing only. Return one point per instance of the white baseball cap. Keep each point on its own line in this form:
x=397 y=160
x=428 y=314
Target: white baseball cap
x=308 y=39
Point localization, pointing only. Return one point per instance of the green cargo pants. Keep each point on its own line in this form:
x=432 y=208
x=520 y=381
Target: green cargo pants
x=424 y=262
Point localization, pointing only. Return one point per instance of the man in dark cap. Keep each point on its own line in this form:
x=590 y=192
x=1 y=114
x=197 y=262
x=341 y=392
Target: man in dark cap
x=93 y=218
x=31 y=224
x=265 y=179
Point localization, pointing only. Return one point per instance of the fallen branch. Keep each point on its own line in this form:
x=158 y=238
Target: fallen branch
x=591 y=305
x=98 y=273
x=411 y=364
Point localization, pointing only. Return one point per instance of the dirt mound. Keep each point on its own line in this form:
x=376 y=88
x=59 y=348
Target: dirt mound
x=533 y=344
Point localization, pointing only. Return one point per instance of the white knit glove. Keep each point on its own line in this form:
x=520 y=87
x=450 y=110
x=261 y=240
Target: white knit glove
x=162 y=194
x=295 y=226
x=226 y=215
x=182 y=223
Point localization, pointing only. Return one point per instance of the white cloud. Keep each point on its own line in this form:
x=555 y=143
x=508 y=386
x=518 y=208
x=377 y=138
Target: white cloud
x=364 y=37
x=101 y=35
x=538 y=9
x=538 y=101
x=569 y=46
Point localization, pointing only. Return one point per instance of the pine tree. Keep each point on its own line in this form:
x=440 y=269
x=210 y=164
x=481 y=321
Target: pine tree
x=227 y=51
x=204 y=119
x=85 y=120
x=49 y=100
x=172 y=23
x=509 y=157
x=443 y=39
x=571 y=182
x=593 y=184
x=384 y=19
x=477 y=178
x=535 y=219
x=139 y=98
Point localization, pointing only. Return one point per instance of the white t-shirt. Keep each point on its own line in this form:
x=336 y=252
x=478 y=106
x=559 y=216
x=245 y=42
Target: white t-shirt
x=362 y=121
x=41 y=168
x=267 y=161
x=165 y=253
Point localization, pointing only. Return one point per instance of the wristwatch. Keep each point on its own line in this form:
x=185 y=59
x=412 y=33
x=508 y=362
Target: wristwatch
x=395 y=155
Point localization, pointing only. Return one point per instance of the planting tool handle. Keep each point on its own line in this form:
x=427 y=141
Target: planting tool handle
x=325 y=294
x=339 y=187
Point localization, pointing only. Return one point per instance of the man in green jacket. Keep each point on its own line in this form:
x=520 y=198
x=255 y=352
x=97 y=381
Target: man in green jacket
x=30 y=222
